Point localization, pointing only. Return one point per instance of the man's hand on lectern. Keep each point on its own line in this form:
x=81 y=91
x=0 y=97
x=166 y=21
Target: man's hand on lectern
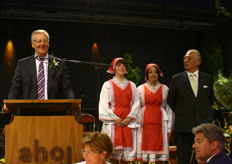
x=77 y=110
x=4 y=108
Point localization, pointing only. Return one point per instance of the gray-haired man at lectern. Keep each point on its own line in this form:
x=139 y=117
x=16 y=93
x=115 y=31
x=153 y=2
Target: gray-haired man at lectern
x=40 y=76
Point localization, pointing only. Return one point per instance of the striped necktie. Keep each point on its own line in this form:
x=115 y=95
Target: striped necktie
x=193 y=83
x=41 y=82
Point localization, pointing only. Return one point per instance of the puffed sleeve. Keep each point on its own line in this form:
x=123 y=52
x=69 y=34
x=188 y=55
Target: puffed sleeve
x=168 y=110
x=140 y=91
x=135 y=108
x=105 y=113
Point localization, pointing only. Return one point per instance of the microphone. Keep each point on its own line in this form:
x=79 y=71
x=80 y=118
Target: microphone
x=36 y=56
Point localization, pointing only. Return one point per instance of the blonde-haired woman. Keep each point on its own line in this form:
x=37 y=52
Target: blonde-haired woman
x=96 y=148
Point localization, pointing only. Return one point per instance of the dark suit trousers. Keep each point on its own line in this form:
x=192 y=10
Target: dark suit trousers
x=184 y=142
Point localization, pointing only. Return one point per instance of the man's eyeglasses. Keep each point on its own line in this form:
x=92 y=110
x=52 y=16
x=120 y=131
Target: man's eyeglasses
x=40 y=41
x=84 y=152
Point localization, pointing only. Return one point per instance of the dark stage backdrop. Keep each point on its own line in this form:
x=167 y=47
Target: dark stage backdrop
x=166 y=47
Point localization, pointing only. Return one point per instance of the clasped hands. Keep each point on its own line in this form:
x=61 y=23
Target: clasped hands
x=122 y=123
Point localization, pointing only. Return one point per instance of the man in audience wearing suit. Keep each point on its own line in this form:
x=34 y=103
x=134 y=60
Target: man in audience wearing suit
x=40 y=76
x=190 y=97
x=210 y=145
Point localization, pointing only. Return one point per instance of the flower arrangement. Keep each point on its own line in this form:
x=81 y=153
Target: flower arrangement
x=223 y=91
x=54 y=63
x=227 y=132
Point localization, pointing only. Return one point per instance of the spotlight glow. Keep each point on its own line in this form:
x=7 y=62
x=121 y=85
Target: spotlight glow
x=10 y=54
x=9 y=57
x=95 y=55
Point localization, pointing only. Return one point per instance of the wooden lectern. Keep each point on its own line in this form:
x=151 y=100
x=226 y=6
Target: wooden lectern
x=45 y=132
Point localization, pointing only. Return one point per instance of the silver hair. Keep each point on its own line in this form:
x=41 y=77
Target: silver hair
x=196 y=52
x=40 y=31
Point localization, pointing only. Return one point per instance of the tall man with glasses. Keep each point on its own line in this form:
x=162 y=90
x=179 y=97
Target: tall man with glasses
x=40 y=76
x=190 y=97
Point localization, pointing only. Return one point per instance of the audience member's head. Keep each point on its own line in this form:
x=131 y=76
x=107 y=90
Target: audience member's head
x=96 y=147
x=209 y=140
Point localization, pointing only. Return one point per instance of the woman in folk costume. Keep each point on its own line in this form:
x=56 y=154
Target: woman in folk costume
x=157 y=117
x=119 y=109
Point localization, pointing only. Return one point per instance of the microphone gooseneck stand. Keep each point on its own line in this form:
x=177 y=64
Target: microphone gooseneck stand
x=97 y=66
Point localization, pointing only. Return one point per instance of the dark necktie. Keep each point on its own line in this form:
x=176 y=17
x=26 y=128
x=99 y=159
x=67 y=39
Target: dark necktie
x=41 y=82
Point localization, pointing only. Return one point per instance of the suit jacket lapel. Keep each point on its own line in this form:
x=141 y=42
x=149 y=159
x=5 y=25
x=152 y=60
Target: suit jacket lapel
x=33 y=73
x=32 y=70
x=187 y=82
x=51 y=72
x=200 y=82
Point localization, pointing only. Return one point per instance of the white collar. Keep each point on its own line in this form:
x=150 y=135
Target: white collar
x=196 y=73
x=211 y=157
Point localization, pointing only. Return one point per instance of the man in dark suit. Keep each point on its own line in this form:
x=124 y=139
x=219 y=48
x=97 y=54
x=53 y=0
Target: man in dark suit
x=54 y=78
x=210 y=144
x=190 y=97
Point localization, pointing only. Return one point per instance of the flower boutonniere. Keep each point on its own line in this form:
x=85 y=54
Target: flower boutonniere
x=54 y=63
